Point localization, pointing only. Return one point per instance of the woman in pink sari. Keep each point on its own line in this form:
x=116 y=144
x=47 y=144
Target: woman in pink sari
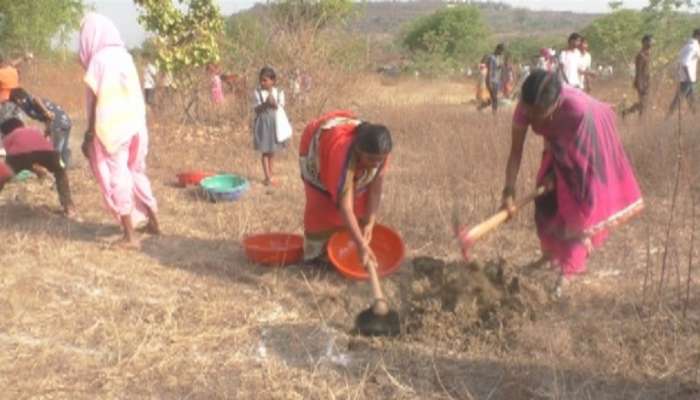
x=116 y=142
x=594 y=187
x=217 y=89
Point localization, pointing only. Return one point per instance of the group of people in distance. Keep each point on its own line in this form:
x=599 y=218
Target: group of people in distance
x=687 y=76
x=498 y=76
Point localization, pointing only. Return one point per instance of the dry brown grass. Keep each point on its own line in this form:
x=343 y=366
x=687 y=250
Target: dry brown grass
x=189 y=317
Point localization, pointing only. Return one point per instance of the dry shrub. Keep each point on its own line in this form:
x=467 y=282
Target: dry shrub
x=329 y=57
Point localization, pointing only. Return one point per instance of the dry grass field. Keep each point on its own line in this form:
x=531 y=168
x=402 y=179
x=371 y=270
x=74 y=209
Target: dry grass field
x=188 y=317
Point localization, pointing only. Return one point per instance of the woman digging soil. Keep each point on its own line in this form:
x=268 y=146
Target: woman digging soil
x=594 y=185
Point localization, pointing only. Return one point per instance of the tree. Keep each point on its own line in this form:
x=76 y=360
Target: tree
x=670 y=27
x=451 y=34
x=186 y=38
x=527 y=48
x=183 y=40
x=616 y=37
x=37 y=24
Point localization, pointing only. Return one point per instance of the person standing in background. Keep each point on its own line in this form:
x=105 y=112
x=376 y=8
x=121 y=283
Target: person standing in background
x=586 y=66
x=267 y=99
x=483 y=98
x=570 y=62
x=494 y=65
x=642 y=77
x=687 y=73
x=508 y=78
x=217 y=88
x=547 y=60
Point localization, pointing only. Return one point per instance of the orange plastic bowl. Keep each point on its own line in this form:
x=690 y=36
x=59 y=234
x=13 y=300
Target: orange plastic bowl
x=275 y=249
x=192 y=177
x=386 y=244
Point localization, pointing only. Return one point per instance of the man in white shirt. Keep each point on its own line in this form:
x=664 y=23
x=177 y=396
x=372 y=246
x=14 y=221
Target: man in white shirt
x=570 y=61
x=687 y=73
x=586 y=72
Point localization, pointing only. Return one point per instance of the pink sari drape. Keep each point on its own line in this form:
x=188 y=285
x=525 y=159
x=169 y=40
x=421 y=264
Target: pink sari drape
x=595 y=187
x=122 y=178
x=217 y=90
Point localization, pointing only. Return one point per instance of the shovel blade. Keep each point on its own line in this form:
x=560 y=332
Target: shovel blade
x=368 y=323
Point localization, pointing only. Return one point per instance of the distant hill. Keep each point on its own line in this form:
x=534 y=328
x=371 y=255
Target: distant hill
x=382 y=21
x=387 y=18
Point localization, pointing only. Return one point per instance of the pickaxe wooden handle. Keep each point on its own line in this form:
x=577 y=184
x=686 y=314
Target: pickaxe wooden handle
x=468 y=237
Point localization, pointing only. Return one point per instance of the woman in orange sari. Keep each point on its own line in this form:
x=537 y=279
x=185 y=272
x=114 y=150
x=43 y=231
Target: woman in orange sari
x=342 y=161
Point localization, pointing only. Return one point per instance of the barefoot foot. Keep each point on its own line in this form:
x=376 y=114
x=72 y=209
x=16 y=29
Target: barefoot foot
x=152 y=228
x=127 y=244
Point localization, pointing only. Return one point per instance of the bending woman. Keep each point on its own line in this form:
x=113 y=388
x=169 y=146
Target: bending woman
x=343 y=161
x=594 y=186
x=116 y=142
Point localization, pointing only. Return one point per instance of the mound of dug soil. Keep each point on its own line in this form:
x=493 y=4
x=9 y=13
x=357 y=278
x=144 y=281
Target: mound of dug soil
x=452 y=301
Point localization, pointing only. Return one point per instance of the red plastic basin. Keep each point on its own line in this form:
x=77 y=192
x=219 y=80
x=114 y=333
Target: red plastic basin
x=190 y=178
x=275 y=249
x=386 y=244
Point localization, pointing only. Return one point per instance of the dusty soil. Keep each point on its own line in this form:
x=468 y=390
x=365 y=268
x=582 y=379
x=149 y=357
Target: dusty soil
x=447 y=302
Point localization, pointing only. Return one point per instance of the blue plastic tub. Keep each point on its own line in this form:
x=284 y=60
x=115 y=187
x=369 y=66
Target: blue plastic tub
x=224 y=187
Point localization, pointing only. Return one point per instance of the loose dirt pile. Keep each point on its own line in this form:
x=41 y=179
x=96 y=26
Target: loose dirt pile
x=455 y=301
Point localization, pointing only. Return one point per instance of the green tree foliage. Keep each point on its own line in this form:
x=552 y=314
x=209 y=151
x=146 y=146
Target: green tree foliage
x=183 y=39
x=452 y=34
x=670 y=27
x=526 y=49
x=34 y=25
x=670 y=4
x=616 y=36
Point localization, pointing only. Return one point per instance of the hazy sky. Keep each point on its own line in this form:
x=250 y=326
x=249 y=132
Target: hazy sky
x=123 y=12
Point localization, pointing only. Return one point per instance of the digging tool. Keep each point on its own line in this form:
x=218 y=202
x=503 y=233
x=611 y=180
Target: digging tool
x=467 y=238
x=379 y=319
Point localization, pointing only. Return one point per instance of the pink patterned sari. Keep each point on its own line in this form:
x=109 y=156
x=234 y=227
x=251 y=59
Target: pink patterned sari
x=595 y=186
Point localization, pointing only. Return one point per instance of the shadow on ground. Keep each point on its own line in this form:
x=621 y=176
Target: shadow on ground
x=395 y=370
